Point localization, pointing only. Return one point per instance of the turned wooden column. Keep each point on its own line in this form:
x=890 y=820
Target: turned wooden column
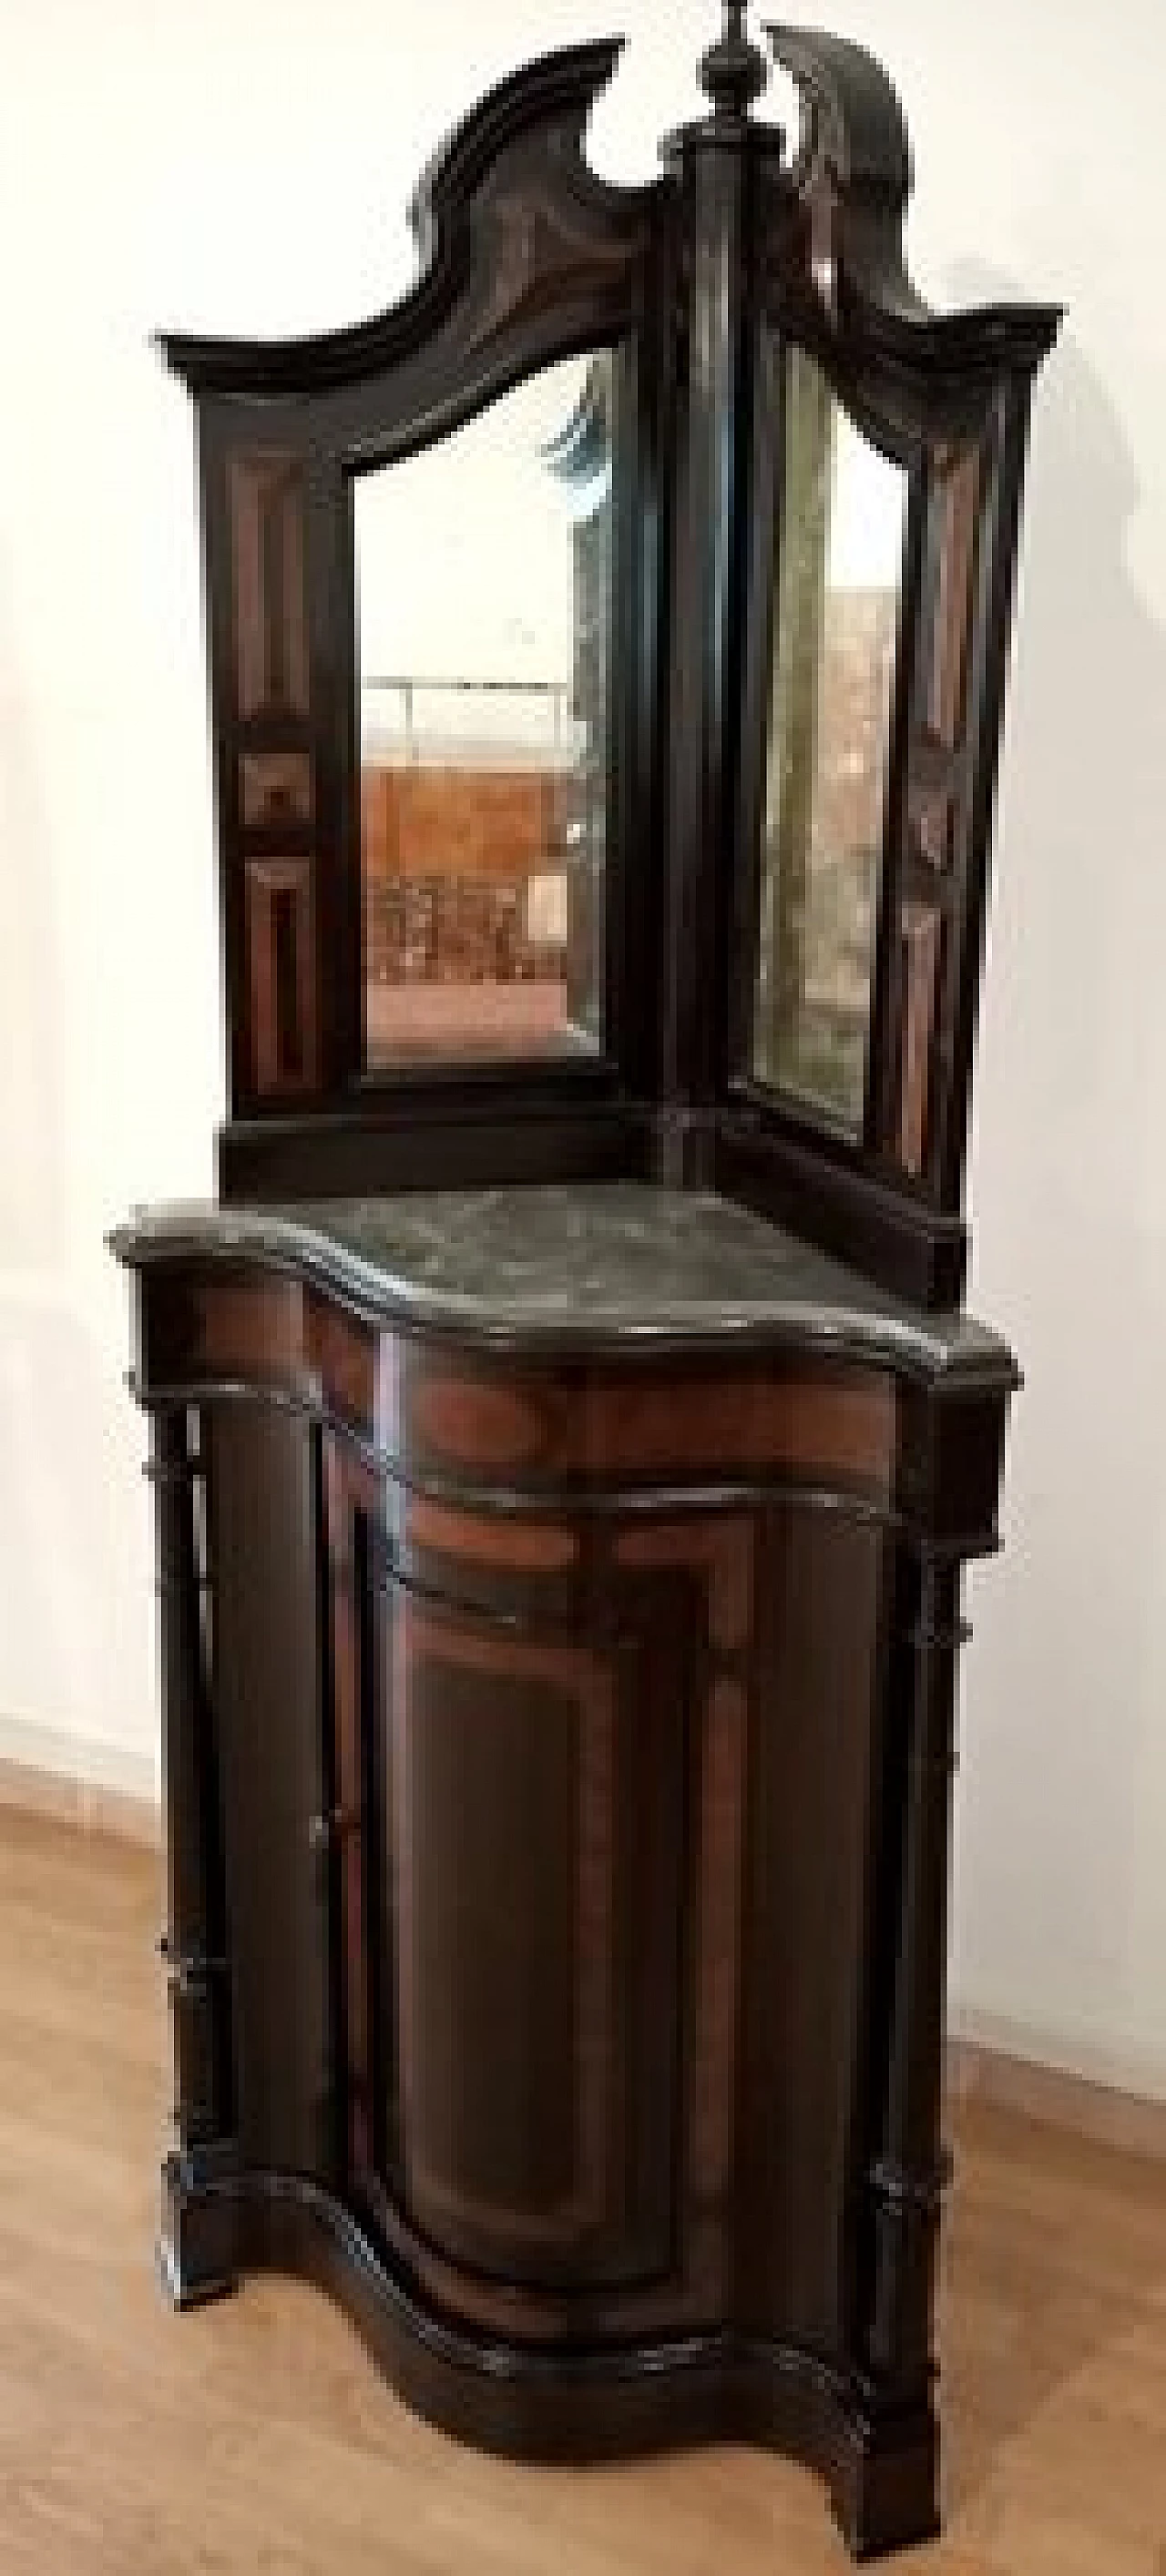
x=909 y=2174
x=193 y=1943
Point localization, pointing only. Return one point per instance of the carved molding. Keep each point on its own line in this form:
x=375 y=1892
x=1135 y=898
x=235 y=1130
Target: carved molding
x=536 y=120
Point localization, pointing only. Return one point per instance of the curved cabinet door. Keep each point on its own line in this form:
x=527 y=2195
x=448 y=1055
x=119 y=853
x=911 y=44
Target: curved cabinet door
x=531 y=1821
x=511 y=1775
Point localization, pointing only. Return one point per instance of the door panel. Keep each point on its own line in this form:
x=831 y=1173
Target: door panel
x=532 y=1841
x=815 y=1763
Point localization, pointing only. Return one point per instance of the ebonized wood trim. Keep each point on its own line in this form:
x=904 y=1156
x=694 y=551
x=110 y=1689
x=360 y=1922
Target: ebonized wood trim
x=879 y=2462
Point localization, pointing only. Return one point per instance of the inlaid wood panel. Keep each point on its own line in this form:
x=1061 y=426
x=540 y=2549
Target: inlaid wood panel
x=815 y=1832
x=922 y=942
x=281 y=969
x=955 y=505
x=535 y=2066
x=637 y=1426
x=274 y=787
x=470 y=1537
x=270 y=1333
x=519 y=1434
x=523 y=1426
x=267 y=517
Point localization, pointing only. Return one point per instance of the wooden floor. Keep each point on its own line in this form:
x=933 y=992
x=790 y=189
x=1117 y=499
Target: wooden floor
x=256 y=2435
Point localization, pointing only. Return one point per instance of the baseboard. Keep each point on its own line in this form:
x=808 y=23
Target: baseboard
x=93 y=1786
x=1105 y=2109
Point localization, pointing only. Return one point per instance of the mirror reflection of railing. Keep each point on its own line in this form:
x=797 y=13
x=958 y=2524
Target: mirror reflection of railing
x=406 y=718
x=474 y=823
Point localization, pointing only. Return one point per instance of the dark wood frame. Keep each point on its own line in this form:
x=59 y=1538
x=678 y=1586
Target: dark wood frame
x=914 y=381
x=527 y=257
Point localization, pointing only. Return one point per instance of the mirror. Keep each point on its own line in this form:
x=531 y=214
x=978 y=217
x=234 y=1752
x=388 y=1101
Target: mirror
x=842 y=531
x=484 y=591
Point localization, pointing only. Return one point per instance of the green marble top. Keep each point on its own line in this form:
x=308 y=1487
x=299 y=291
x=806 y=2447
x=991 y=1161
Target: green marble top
x=587 y=1265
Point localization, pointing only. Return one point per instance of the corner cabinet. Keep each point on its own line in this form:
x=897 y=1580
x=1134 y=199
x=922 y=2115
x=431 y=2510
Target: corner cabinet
x=558 y=1728
x=566 y=1437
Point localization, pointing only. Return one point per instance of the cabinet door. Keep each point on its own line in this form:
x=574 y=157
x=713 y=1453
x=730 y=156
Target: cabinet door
x=513 y=1782
x=817 y=1835
x=532 y=1841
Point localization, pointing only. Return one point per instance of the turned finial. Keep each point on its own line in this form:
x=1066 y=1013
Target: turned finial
x=734 y=71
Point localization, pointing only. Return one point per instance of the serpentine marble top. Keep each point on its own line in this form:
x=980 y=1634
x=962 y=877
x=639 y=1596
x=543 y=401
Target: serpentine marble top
x=587 y=1265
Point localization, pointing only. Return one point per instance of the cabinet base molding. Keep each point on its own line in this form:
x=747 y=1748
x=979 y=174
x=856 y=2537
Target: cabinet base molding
x=879 y=2466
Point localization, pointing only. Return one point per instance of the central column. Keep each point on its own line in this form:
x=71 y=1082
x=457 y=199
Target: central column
x=714 y=160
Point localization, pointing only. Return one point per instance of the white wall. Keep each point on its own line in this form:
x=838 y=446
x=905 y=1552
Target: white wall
x=245 y=167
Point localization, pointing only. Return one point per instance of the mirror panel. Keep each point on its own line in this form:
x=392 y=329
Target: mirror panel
x=484 y=607
x=842 y=531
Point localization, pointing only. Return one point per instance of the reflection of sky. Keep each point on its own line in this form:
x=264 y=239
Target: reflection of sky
x=464 y=552
x=867 y=510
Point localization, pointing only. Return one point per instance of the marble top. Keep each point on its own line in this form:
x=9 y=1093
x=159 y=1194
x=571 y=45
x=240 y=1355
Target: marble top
x=587 y=1265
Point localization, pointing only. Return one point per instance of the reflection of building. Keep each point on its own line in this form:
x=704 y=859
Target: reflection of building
x=462 y=792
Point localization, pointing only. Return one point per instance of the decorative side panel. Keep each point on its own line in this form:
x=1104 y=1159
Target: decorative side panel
x=953 y=521
x=267 y=503
x=921 y=932
x=812 y=1842
x=275 y=787
x=281 y=968
x=546 y=1427
x=271 y=538
x=268 y=1700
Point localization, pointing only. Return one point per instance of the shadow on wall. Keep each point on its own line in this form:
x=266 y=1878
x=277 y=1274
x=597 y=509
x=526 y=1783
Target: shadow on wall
x=1059 y=1812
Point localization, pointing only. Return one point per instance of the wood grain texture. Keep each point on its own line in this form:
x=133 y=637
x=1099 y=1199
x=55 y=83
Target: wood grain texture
x=134 y=2443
